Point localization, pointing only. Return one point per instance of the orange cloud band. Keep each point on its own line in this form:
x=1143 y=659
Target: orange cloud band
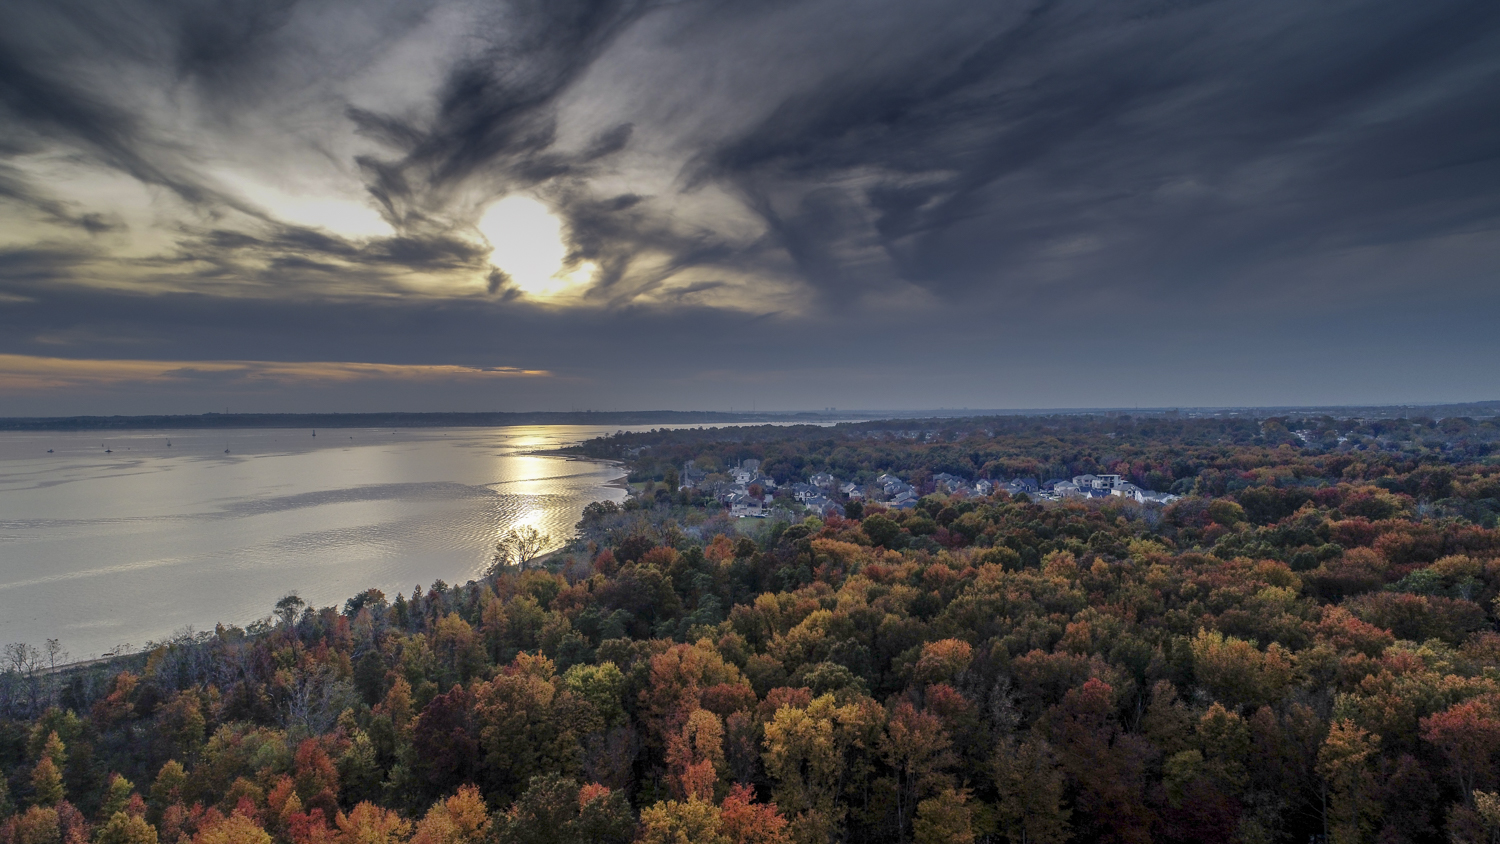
x=24 y=373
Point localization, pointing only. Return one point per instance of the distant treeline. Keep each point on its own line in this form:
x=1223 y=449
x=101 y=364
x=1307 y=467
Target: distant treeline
x=691 y=417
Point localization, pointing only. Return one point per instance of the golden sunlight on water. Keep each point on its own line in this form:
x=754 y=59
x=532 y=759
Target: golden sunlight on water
x=101 y=548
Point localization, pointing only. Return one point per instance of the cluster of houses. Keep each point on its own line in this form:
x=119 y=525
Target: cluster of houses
x=748 y=493
x=1102 y=486
x=745 y=492
x=820 y=494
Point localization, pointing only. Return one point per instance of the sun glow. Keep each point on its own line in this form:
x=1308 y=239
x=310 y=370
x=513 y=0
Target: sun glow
x=344 y=216
x=526 y=243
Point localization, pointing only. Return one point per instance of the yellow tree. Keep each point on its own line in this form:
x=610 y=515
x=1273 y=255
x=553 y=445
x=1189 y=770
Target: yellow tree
x=122 y=828
x=116 y=795
x=37 y=825
x=397 y=705
x=55 y=750
x=46 y=778
x=944 y=819
x=942 y=661
x=169 y=787
x=460 y=649
x=687 y=822
x=1344 y=764
x=235 y=829
x=46 y=783
x=809 y=753
x=1235 y=670
x=460 y=819
x=370 y=824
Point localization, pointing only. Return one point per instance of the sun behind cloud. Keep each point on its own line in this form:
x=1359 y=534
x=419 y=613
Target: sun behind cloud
x=527 y=244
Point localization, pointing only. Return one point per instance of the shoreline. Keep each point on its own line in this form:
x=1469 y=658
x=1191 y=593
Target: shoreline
x=621 y=483
x=566 y=488
x=125 y=658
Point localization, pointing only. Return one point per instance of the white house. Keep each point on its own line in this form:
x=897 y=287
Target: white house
x=1096 y=482
x=747 y=508
x=802 y=492
x=823 y=506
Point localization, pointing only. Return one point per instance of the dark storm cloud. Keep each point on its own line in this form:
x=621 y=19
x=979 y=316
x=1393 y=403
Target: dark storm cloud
x=1138 y=141
x=42 y=108
x=612 y=231
x=23 y=269
x=217 y=43
x=495 y=112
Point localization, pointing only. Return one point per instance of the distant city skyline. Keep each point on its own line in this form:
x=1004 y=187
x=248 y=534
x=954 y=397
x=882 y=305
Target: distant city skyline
x=448 y=205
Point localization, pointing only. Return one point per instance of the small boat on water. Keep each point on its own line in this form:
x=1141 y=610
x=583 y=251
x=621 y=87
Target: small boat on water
x=49 y=451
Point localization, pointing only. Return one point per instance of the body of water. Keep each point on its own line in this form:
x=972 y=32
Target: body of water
x=100 y=549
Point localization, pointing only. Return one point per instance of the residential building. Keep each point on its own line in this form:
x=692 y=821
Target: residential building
x=749 y=508
x=803 y=492
x=948 y=483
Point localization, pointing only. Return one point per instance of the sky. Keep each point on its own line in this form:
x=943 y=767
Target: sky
x=424 y=205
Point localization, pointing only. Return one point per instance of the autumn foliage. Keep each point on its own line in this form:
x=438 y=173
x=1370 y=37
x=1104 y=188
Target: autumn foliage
x=1301 y=648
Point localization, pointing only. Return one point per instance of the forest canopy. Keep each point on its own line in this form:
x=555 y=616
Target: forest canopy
x=1303 y=644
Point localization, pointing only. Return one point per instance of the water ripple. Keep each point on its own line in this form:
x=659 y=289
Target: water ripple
x=149 y=544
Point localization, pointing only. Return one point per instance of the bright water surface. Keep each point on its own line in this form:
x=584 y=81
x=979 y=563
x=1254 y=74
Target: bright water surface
x=99 y=550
